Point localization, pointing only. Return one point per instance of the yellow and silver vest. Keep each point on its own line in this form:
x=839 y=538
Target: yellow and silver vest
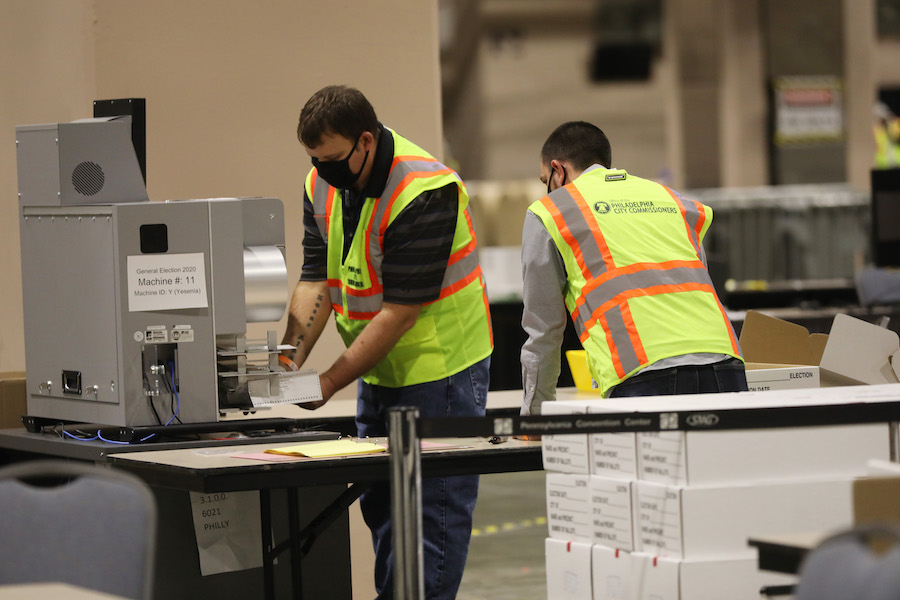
x=453 y=332
x=637 y=289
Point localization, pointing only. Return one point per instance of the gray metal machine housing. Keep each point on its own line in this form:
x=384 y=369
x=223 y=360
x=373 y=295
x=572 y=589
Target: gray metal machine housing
x=106 y=341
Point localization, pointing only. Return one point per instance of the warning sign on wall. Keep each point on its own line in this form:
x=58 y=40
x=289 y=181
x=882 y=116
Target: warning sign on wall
x=808 y=110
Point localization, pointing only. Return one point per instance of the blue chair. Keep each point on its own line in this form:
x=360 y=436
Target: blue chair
x=77 y=523
x=845 y=567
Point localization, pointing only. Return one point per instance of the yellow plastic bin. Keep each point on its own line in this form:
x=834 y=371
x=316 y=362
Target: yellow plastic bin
x=580 y=373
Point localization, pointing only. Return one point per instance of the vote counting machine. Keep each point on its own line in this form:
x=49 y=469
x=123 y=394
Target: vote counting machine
x=136 y=312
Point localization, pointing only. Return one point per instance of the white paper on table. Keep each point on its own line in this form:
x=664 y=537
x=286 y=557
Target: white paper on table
x=228 y=531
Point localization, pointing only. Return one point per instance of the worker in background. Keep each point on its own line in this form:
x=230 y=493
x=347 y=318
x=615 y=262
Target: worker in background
x=886 y=130
x=389 y=247
x=623 y=256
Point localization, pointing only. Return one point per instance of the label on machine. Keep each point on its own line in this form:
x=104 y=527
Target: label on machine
x=166 y=282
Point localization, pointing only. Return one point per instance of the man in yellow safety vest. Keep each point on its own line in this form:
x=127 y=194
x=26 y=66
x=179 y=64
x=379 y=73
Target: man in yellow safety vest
x=389 y=248
x=624 y=257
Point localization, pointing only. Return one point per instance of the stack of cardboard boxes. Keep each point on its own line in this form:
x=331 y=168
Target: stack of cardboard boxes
x=667 y=515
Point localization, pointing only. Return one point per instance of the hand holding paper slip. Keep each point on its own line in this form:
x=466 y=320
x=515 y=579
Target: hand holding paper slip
x=343 y=447
x=287 y=387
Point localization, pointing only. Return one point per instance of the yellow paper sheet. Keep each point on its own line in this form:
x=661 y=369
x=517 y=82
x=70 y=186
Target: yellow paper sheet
x=345 y=447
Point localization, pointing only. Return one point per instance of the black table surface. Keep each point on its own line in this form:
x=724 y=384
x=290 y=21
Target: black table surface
x=224 y=469
x=50 y=445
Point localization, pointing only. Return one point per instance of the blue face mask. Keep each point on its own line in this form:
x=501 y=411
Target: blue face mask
x=337 y=173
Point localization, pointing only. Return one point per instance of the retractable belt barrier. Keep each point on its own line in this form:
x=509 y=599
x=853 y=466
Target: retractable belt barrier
x=407 y=429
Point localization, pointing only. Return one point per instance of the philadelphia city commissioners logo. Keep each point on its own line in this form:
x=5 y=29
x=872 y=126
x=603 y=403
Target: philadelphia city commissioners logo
x=601 y=207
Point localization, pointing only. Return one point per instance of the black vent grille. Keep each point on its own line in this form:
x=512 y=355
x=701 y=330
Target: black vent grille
x=88 y=178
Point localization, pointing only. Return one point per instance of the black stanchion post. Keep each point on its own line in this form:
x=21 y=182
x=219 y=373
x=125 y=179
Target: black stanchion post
x=406 y=503
x=895 y=441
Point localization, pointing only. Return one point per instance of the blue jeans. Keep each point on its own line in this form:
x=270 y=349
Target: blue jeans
x=725 y=376
x=447 y=502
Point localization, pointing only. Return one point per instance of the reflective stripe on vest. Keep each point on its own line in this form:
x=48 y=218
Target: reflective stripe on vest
x=694 y=217
x=603 y=298
x=365 y=304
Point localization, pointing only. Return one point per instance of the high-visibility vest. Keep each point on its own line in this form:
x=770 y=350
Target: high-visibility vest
x=887 y=148
x=451 y=333
x=637 y=289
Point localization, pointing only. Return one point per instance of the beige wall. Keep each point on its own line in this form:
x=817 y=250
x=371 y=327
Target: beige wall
x=743 y=138
x=224 y=82
x=47 y=75
x=861 y=81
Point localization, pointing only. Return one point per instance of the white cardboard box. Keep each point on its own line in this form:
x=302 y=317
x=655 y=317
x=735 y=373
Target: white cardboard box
x=606 y=454
x=763 y=377
x=715 y=522
x=613 y=575
x=612 y=512
x=736 y=578
x=568 y=507
x=613 y=454
x=739 y=456
x=776 y=399
x=720 y=456
x=619 y=575
x=565 y=453
x=591 y=509
x=568 y=570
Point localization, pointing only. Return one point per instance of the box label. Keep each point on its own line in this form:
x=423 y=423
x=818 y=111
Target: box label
x=611 y=511
x=565 y=453
x=763 y=380
x=568 y=507
x=659 y=520
x=661 y=457
x=614 y=455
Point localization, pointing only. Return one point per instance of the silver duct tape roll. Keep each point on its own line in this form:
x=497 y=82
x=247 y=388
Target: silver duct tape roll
x=265 y=283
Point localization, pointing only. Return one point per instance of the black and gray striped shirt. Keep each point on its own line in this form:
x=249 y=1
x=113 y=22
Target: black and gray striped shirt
x=417 y=243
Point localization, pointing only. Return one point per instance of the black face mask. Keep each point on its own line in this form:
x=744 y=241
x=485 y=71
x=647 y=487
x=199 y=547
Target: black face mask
x=337 y=173
x=550 y=179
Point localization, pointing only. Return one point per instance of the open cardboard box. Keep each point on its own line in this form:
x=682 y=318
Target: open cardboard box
x=854 y=352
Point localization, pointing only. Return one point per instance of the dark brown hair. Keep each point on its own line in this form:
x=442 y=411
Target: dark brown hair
x=336 y=110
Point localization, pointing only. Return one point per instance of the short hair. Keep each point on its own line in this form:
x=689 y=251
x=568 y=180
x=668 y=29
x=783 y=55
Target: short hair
x=336 y=110
x=579 y=143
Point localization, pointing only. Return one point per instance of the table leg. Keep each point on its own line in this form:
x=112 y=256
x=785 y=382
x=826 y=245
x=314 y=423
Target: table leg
x=296 y=541
x=265 y=514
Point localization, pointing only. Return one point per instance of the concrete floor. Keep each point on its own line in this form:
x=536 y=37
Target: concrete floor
x=506 y=556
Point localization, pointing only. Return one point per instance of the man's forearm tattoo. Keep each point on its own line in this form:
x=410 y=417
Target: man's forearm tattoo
x=309 y=323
